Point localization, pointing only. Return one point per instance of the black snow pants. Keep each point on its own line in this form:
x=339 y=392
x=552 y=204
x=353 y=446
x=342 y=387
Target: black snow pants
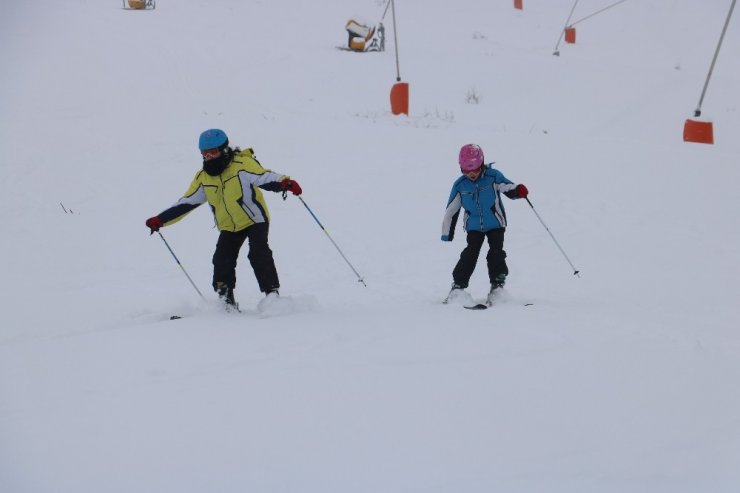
x=260 y=257
x=496 y=257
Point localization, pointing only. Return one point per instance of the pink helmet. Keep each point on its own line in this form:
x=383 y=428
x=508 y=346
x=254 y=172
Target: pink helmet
x=471 y=157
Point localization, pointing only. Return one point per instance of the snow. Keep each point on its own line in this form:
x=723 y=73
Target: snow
x=624 y=379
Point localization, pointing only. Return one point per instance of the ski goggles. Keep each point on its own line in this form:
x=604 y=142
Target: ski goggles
x=471 y=173
x=209 y=154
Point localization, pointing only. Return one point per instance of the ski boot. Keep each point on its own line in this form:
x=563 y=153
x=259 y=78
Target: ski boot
x=272 y=295
x=226 y=295
x=271 y=302
x=457 y=291
x=496 y=286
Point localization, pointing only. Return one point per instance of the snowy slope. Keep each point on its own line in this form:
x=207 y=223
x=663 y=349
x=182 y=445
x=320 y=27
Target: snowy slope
x=624 y=379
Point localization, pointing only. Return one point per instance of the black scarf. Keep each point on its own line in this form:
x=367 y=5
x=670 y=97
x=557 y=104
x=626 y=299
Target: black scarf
x=216 y=166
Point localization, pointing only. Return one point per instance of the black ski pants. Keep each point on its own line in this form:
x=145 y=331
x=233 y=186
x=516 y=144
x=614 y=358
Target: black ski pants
x=260 y=257
x=496 y=257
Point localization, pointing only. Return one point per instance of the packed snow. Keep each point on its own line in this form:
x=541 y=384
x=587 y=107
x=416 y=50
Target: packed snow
x=624 y=379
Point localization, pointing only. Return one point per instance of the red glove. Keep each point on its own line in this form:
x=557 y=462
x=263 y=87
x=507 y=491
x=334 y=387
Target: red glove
x=521 y=191
x=154 y=223
x=292 y=186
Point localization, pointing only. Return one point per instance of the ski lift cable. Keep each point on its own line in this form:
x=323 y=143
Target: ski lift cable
x=697 y=112
x=386 y=10
x=395 y=39
x=597 y=12
x=567 y=23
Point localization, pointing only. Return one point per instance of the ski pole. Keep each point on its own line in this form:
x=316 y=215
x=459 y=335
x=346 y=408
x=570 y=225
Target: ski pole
x=178 y=263
x=575 y=271
x=359 y=277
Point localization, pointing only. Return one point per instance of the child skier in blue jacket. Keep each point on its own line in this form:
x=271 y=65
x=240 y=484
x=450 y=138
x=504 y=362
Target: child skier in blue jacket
x=478 y=191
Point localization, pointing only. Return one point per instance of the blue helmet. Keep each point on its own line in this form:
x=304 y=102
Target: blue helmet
x=212 y=138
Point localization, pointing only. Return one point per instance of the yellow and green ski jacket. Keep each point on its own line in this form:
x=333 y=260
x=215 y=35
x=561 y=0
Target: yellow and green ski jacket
x=234 y=195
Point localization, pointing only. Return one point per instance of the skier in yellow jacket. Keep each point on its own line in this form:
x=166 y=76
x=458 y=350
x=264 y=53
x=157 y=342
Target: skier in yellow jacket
x=230 y=181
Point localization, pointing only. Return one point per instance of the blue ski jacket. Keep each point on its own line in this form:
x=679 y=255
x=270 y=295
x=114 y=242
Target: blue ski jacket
x=481 y=200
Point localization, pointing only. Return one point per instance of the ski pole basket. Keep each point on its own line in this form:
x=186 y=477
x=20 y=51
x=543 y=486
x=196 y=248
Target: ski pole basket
x=139 y=4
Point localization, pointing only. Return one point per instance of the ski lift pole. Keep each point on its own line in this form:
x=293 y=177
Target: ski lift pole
x=178 y=263
x=381 y=28
x=359 y=277
x=560 y=36
x=575 y=271
x=697 y=112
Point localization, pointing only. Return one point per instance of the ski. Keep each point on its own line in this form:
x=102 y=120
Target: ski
x=484 y=306
x=494 y=297
x=228 y=308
